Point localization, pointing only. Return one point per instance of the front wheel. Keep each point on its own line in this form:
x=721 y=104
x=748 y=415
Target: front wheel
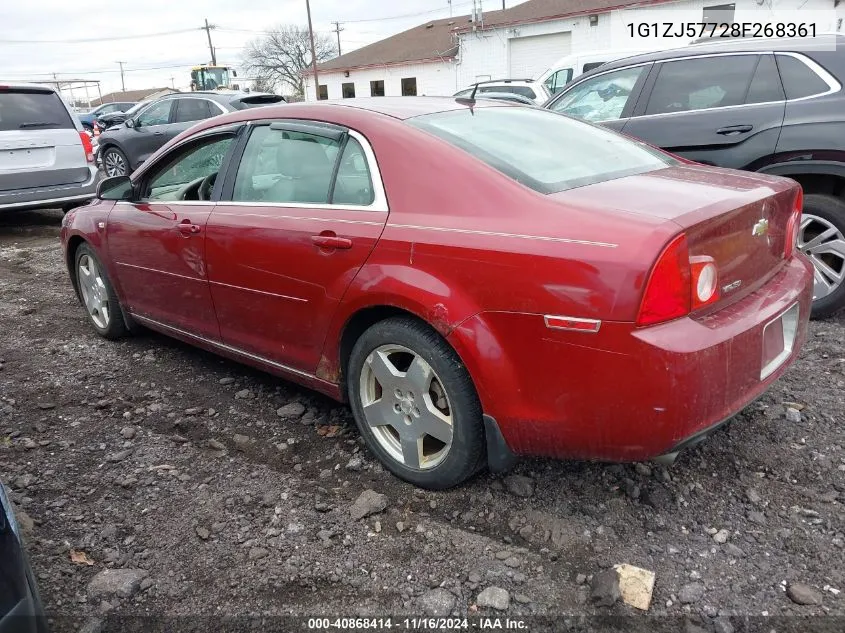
x=822 y=238
x=115 y=162
x=415 y=404
x=98 y=295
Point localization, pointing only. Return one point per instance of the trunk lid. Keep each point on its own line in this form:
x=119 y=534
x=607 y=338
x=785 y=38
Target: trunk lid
x=738 y=219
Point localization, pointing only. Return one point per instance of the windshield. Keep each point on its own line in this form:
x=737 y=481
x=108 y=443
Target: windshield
x=540 y=149
x=212 y=78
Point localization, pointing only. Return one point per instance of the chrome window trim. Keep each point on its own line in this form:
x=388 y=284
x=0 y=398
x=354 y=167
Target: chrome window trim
x=379 y=203
x=824 y=75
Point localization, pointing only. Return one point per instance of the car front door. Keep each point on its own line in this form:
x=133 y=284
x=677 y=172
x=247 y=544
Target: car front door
x=724 y=110
x=302 y=209
x=608 y=98
x=148 y=132
x=158 y=241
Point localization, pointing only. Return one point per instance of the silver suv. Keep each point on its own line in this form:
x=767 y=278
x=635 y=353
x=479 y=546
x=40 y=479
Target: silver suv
x=46 y=158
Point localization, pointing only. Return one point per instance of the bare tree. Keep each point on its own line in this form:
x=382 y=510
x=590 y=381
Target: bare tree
x=281 y=56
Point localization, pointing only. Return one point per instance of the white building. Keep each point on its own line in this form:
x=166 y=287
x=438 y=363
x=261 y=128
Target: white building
x=443 y=56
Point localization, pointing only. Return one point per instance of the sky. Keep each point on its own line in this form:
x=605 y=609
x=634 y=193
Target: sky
x=42 y=37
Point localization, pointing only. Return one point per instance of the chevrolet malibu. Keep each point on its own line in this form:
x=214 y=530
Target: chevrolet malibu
x=478 y=280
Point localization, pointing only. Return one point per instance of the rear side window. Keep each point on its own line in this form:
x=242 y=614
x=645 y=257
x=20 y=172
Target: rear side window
x=280 y=166
x=698 y=84
x=799 y=80
x=32 y=110
x=541 y=149
x=353 y=184
x=765 y=85
x=193 y=110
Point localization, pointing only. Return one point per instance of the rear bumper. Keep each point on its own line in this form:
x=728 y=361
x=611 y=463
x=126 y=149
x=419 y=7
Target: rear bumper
x=628 y=393
x=46 y=197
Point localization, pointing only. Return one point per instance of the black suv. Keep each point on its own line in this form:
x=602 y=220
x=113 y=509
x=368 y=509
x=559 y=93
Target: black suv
x=124 y=147
x=771 y=106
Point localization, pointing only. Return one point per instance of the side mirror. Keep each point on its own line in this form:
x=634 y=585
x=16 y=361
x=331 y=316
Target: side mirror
x=130 y=123
x=115 y=188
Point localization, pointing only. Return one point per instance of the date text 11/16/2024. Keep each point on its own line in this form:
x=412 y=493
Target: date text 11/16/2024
x=720 y=29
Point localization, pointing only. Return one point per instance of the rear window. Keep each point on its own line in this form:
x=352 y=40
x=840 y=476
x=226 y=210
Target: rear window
x=256 y=101
x=540 y=149
x=32 y=110
x=525 y=91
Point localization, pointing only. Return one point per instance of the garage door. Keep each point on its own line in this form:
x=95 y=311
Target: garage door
x=530 y=56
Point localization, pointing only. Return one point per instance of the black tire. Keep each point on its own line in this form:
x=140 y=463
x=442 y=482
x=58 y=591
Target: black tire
x=115 y=153
x=114 y=326
x=832 y=210
x=467 y=452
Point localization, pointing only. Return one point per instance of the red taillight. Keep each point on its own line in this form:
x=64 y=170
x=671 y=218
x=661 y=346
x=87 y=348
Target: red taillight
x=794 y=224
x=86 y=145
x=667 y=293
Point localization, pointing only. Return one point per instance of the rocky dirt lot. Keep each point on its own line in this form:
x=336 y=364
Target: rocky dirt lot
x=155 y=479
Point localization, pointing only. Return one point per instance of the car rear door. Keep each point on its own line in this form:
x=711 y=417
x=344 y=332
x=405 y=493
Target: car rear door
x=302 y=208
x=40 y=146
x=724 y=110
x=157 y=242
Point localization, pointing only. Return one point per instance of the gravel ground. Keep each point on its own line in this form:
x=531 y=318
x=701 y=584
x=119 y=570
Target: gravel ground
x=157 y=479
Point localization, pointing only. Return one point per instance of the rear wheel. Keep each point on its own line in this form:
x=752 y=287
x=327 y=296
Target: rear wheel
x=115 y=162
x=822 y=238
x=415 y=404
x=98 y=295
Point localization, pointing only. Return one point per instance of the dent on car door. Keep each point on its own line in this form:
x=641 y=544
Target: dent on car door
x=608 y=98
x=302 y=212
x=157 y=241
x=724 y=110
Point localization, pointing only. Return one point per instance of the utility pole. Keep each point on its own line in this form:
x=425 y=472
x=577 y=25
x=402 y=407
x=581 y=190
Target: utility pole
x=173 y=82
x=207 y=28
x=450 y=7
x=337 y=30
x=122 y=83
x=56 y=81
x=313 y=52
x=503 y=5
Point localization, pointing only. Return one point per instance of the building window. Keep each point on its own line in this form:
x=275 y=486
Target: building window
x=719 y=14
x=323 y=93
x=348 y=90
x=409 y=87
x=377 y=88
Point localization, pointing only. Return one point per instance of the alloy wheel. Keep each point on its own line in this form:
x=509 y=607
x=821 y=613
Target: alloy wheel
x=94 y=293
x=824 y=244
x=406 y=407
x=114 y=164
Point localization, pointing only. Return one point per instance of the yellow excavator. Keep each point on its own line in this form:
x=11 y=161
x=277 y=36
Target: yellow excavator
x=208 y=77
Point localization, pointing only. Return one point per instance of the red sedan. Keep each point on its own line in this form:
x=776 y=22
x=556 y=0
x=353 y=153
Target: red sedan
x=478 y=280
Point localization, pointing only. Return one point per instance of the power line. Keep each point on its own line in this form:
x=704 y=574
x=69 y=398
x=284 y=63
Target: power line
x=89 y=40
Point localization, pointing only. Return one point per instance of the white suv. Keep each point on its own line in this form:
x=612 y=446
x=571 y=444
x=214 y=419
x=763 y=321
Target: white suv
x=534 y=90
x=46 y=158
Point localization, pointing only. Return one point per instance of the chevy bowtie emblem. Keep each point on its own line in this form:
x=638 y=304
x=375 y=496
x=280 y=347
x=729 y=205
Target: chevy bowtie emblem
x=761 y=228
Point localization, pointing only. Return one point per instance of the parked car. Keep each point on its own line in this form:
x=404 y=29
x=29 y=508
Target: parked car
x=534 y=90
x=124 y=147
x=770 y=106
x=533 y=285
x=21 y=610
x=88 y=118
x=105 y=121
x=507 y=96
x=46 y=158
x=568 y=67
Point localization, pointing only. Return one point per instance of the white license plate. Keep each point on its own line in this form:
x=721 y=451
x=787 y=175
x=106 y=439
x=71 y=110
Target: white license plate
x=778 y=340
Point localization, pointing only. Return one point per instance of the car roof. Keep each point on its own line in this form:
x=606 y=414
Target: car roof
x=730 y=45
x=27 y=86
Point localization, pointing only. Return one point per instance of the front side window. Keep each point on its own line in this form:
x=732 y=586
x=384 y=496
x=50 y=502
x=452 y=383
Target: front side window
x=601 y=98
x=540 y=149
x=556 y=82
x=188 y=110
x=798 y=79
x=702 y=83
x=156 y=114
x=285 y=166
x=191 y=174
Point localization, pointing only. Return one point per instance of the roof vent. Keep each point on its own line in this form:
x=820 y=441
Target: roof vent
x=430 y=25
x=450 y=22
